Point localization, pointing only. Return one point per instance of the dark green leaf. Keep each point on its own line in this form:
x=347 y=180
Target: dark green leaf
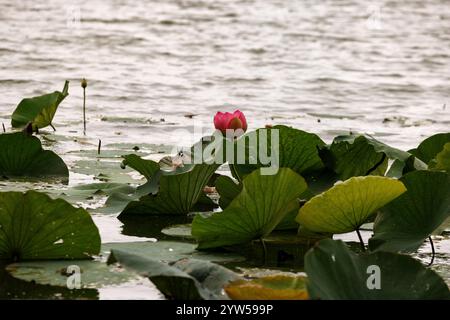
x=431 y=146
x=145 y=167
x=35 y=227
x=227 y=189
x=178 y=191
x=335 y=272
x=296 y=149
x=22 y=156
x=358 y=155
x=406 y=222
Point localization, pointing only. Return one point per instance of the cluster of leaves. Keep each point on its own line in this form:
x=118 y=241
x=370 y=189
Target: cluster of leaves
x=316 y=190
x=32 y=225
x=324 y=189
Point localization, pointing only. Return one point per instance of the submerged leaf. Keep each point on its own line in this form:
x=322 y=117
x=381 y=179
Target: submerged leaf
x=35 y=227
x=170 y=251
x=22 y=156
x=38 y=110
x=406 y=222
x=335 y=272
x=263 y=202
x=273 y=287
x=94 y=274
x=348 y=205
x=184 y=280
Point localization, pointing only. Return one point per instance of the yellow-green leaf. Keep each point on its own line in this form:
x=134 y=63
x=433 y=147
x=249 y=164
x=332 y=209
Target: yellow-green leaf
x=347 y=205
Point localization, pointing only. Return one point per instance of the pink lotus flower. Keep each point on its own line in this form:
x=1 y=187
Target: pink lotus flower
x=231 y=121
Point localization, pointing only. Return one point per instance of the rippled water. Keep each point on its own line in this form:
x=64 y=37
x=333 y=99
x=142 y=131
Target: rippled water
x=155 y=67
x=379 y=67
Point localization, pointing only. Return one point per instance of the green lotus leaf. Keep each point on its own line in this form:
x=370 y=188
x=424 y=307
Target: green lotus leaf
x=38 y=110
x=35 y=227
x=272 y=287
x=145 y=167
x=176 y=192
x=348 y=205
x=335 y=273
x=358 y=155
x=262 y=204
x=22 y=156
x=296 y=149
x=431 y=146
x=184 y=280
x=442 y=160
x=406 y=222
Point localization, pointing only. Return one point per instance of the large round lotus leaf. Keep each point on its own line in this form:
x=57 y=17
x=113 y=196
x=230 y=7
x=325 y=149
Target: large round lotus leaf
x=38 y=110
x=22 y=156
x=407 y=221
x=262 y=204
x=348 y=205
x=35 y=227
x=295 y=149
x=335 y=272
x=431 y=146
x=273 y=287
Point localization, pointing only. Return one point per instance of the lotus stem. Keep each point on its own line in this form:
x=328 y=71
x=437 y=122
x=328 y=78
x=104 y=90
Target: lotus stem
x=361 y=241
x=433 y=253
x=52 y=127
x=99 y=146
x=3 y=125
x=264 y=250
x=84 y=85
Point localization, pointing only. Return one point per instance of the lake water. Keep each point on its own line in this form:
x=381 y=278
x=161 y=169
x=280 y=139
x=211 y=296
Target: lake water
x=156 y=68
x=380 y=67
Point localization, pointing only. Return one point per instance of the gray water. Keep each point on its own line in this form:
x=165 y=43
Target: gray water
x=155 y=67
x=380 y=67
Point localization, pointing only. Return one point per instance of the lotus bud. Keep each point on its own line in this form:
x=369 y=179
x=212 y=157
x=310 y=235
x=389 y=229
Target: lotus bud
x=230 y=121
